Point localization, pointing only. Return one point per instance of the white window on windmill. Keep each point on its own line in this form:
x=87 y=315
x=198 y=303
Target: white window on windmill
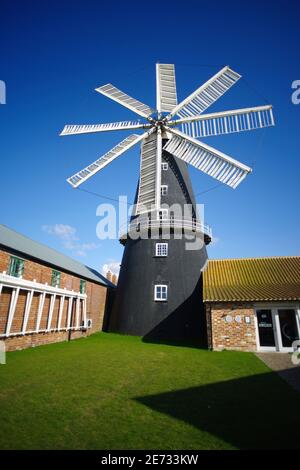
x=164 y=166
x=163 y=214
x=161 y=292
x=161 y=249
x=164 y=189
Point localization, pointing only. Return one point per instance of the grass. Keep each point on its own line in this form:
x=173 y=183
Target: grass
x=116 y=392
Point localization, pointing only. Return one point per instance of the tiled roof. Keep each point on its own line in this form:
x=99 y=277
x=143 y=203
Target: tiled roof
x=252 y=279
x=15 y=241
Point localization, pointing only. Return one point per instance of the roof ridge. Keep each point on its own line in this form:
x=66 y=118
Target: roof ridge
x=56 y=252
x=255 y=258
x=48 y=247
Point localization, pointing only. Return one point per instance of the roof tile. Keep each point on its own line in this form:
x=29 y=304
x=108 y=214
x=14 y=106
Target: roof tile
x=252 y=279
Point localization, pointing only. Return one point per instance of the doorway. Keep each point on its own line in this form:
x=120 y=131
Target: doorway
x=277 y=328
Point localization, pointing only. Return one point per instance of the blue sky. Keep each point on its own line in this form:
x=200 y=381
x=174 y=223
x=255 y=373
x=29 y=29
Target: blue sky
x=53 y=55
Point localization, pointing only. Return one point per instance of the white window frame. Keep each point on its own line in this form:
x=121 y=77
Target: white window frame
x=164 y=166
x=161 y=247
x=158 y=298
x=19 y=273
x=164 y=213
x=164 y=190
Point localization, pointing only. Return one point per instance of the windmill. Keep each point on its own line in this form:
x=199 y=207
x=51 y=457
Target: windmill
x=159 y=288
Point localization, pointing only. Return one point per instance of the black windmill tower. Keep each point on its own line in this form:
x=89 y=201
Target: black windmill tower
x=159 y=293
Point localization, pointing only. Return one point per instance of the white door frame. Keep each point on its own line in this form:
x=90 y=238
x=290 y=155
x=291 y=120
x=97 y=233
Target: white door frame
x=276 y=325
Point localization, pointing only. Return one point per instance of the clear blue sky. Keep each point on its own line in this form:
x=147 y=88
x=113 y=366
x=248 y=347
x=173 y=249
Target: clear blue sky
x=53 y=55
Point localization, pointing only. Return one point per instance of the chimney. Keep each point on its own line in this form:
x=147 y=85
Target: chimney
x=109 y=276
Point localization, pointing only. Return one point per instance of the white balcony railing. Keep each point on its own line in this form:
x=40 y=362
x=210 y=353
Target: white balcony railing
x=146 y=224
x=69 y=300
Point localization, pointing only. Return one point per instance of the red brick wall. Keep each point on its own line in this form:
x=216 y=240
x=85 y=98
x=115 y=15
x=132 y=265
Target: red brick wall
x=96 y=301
x=234 y=335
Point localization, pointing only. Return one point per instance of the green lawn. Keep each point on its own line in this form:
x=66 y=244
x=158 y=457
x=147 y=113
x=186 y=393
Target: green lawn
x=117 y=392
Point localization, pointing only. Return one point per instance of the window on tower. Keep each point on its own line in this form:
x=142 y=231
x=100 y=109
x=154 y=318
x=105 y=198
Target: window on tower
x=161 y=292
x=164 y=189
x=164 y=166
x=161 y=249
x=163 y=214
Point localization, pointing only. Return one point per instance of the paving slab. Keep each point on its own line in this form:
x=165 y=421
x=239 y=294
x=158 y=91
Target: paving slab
x=282 y=364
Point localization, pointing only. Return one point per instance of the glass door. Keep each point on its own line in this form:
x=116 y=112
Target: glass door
x=266 y=334
x=288 y=328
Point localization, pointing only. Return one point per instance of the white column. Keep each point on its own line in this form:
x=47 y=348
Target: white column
x=84 y=312
x=51 y=308
x=69 y=312
x=40 y=311
x=1 y=288
x=12 y=308
x=61 y=309
x=27 y=310
x=276 y=329
x=77 y=312
x=297 y=312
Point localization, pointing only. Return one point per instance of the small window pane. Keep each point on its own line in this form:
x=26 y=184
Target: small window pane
x=164 y=190
x=16 y=267
x=161 y=292
x=161 y=249
x=82 y=286
x=55 y=281
x=163 y=214
x=164 y=166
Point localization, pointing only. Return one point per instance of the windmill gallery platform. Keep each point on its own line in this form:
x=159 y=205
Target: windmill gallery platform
x=248 y=304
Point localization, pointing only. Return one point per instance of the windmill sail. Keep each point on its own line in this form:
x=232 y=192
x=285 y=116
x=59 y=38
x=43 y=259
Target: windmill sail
x=125 y=100
x=73 y=129
x=207 y=159
x=183 y=144
x=227 y=122
x=207 y=94
x=77 y=179
x=166 y=94
x=148 y=175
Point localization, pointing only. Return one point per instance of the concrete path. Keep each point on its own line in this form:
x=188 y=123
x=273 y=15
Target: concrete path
x=282 y=364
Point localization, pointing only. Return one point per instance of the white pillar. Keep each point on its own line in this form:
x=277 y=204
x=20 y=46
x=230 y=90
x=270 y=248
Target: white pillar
x=12 y=308
x=61 y=309
x=77 y=312
x=84 y=312
x=40 y=311
x=27 y=310
x=51 y=308
x=69 y=312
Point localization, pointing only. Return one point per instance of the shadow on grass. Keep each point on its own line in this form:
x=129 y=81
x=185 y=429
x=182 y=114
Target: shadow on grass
x=256 y=412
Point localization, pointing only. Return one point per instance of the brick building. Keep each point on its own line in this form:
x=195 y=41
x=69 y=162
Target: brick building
x=253 y=304
x=45 y=296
